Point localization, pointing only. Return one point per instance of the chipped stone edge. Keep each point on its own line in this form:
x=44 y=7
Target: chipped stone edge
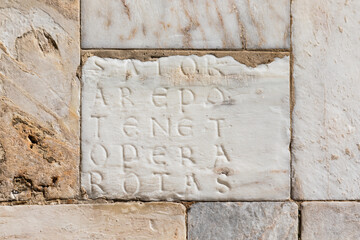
x=248 y=58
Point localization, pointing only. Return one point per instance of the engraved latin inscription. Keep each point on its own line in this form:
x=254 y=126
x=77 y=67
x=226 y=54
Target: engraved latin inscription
x=191 y=128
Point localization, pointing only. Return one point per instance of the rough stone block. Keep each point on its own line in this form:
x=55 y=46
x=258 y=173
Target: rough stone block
x=193 y=128
x=39 y=99
x=326 y=117
x=330 y=220
x=240 y=221
x=129 y=221
x=186 y=24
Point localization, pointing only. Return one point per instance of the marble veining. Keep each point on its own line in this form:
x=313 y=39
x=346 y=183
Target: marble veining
x=246 y=24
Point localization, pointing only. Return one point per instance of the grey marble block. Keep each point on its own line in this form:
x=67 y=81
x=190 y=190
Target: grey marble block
x=245 y=220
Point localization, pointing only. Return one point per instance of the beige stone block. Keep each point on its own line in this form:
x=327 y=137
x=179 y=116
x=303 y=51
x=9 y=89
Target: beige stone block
x=130 y=221
x=39 y=90
x=330 y=221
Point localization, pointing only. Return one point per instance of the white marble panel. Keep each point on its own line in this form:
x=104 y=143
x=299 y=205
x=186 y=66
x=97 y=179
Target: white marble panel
x=192 y=128
x=326 y=119
x=199 y=24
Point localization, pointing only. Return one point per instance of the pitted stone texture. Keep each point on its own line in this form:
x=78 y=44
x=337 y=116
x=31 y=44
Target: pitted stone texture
x=192 y=128
x=251 y=24
x=39 y=90
x=246 y=220
x=330 y=221
x=326 y=117
x=34 y=162
x=130 y=221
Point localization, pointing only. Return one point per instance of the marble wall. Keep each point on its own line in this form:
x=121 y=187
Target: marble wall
x=240 y=116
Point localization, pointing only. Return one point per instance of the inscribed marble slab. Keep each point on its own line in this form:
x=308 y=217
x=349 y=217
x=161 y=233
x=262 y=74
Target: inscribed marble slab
x=191 y=128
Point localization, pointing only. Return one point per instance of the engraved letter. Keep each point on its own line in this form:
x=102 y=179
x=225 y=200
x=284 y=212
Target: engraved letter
x=131 y=184
x=192 y=183
x=130 y=153
x=100 y=98
x=224 y=185
x=99 y=154
x=125 y=94
x=217 y=125
x=186 y=153
x=186 y=97
x=185 y=127
x=215 y=96
x=214 y=68
x=95 y=181
x=161 y=179
x=158 y=155
x=98 y=118
x=130 y=127
x=188 y=66
x=221 y=155
x=159 y=97
x=131 y=69
x=165 y=129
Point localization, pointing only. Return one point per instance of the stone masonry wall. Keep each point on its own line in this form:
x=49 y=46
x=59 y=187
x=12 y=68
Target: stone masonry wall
x=182 y=119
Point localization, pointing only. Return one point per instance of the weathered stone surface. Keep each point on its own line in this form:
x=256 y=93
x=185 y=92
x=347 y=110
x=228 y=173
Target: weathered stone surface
x=194 y=128
x=33 y=158
x=185 y=24
x=130 y=221
x=249 y=58
x=330 y=220
x=246 y=220
x=39 y=90
x=326 y=118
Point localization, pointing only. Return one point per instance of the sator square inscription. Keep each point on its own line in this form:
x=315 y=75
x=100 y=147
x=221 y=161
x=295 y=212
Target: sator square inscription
x=191 y=128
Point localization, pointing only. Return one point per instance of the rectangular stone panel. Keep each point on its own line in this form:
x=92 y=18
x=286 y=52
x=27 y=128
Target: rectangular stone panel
x=245 y=220
x=247 y=24
x=326 y=117
x=129 y=221
x=191 y=128
x=39 y=99
x=330 y=220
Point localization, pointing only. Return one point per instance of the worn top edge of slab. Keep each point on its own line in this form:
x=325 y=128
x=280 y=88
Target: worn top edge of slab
x=228 y=60
x=248 y=58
